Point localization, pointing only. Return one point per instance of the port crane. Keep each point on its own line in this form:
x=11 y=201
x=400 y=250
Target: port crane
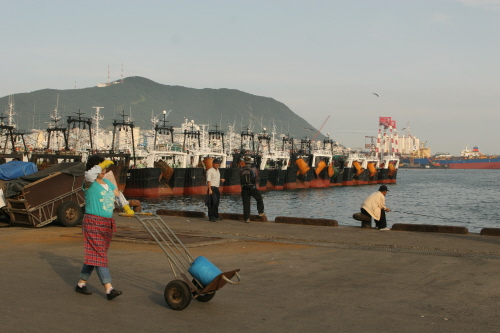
x=319 y=130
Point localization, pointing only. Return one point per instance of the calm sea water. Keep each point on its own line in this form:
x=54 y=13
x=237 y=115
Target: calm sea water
x=468 y=198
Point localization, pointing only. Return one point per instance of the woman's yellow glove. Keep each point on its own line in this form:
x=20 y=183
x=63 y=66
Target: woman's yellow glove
x=128 y=210
x=104 y=164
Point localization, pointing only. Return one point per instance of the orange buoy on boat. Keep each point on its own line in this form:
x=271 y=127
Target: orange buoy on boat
x=166 y=170
x=207 y=161
x=320 y=167
x=372 y=169
x=303 y=167
x=331 y=171
x=358 y=168
x=392 y=169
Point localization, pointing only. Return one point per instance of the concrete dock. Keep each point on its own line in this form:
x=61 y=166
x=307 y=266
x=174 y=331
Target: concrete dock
x=295 y=278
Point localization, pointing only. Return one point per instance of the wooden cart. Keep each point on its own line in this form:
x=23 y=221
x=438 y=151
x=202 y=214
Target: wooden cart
x=57 y=196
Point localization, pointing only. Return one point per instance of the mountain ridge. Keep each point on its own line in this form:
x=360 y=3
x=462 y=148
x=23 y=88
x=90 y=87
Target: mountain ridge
x=141 y=97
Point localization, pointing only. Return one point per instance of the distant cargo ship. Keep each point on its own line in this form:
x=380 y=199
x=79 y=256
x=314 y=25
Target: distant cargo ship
x=468 y=159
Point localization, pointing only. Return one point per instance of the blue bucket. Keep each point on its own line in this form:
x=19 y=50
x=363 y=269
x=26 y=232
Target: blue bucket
x=203 y=270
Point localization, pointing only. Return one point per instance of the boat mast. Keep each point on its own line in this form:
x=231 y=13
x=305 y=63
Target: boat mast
x=56 y=128
x=123 y=125
x=11 y=113
x=217 y=137
x=163 y=129
x=97 y=133
x=80 y=122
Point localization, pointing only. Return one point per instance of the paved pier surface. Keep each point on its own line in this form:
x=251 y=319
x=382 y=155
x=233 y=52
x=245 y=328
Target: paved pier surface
x=295 y=278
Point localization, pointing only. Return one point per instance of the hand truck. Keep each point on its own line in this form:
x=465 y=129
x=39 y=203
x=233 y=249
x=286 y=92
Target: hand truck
x=179 y=292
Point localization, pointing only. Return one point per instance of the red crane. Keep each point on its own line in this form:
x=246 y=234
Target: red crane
x=317 y=133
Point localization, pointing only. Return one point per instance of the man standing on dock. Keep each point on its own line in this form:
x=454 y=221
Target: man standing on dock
x=374 y=206
x=213 y=195
x=249 y=180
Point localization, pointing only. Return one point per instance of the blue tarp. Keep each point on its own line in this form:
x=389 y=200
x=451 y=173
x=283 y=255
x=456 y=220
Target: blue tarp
x=15 y=169
x=15 y=187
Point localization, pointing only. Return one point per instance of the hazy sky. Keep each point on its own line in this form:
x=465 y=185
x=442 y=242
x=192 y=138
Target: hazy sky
x=434 y=63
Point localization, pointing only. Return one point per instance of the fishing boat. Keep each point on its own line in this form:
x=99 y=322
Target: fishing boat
x=303 y=158
x=176 y=163
x=322 y=164
x=388 y=169
x=356 y=170
x=174 y=168
x=11 y=149
x=273 y=162
x=201 y=154
x=292 y=169
x=468 y=159
x=57 y=148
x=122 y=150
x=231 y=173
x=159 y=178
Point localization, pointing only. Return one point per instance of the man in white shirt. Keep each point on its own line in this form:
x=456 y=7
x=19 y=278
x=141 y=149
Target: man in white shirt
x=213 y=198
x=374 y=206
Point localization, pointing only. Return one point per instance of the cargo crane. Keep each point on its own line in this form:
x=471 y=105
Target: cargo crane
x=319 y=130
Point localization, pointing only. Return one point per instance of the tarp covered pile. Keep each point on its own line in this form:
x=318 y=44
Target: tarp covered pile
x=15 y=187
x=16 y=169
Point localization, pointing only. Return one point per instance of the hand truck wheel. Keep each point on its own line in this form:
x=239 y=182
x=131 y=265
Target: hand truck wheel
x=203 y=297
x=178 y=294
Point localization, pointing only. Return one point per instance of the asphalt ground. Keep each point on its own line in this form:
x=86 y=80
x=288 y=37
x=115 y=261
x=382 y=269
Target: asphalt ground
x=295 y=278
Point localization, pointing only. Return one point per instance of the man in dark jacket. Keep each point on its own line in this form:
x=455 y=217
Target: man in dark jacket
x=248 y=180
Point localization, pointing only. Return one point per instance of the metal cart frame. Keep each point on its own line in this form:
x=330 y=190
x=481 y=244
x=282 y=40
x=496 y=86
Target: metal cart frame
x=57 y=196
x=179 y=292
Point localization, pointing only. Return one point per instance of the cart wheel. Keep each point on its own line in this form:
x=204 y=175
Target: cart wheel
x=69 y=214
x=203 y=297
x=177 y=294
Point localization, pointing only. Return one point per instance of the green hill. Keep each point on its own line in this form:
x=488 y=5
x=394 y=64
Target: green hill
x=142 y=97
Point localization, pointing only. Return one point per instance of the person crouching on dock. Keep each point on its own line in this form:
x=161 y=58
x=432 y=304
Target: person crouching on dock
x=374 y=206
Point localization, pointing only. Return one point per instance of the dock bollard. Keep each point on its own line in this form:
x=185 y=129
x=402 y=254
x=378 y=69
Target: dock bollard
x=366 y=221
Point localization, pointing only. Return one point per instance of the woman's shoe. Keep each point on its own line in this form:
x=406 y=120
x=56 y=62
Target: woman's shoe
x=83 y=290
x=114 y=293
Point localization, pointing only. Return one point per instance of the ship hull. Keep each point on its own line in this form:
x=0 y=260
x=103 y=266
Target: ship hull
x=276 y=179
x=195 y=181
x=231 y=182
x=352 y=179
x=386 y=177
x=263 y=179
x=304 y=180
x=145 y=183
x=470 y=163
x=320 y=180
x=291 y=178
x=150 y=182
x=475 y=165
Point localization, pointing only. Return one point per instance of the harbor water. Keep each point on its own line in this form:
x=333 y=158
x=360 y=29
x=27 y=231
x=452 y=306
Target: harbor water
x=467 y=198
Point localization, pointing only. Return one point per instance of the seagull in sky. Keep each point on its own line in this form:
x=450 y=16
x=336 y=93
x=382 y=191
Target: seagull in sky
x=376 y=94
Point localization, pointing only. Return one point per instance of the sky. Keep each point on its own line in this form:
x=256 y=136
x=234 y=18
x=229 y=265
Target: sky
x=435 y=64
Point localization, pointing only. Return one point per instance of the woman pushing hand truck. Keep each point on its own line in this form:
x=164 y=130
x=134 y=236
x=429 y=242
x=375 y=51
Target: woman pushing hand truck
x=98 y=224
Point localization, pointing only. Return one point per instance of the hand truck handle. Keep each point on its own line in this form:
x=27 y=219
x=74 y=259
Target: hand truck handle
x=237 y=276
